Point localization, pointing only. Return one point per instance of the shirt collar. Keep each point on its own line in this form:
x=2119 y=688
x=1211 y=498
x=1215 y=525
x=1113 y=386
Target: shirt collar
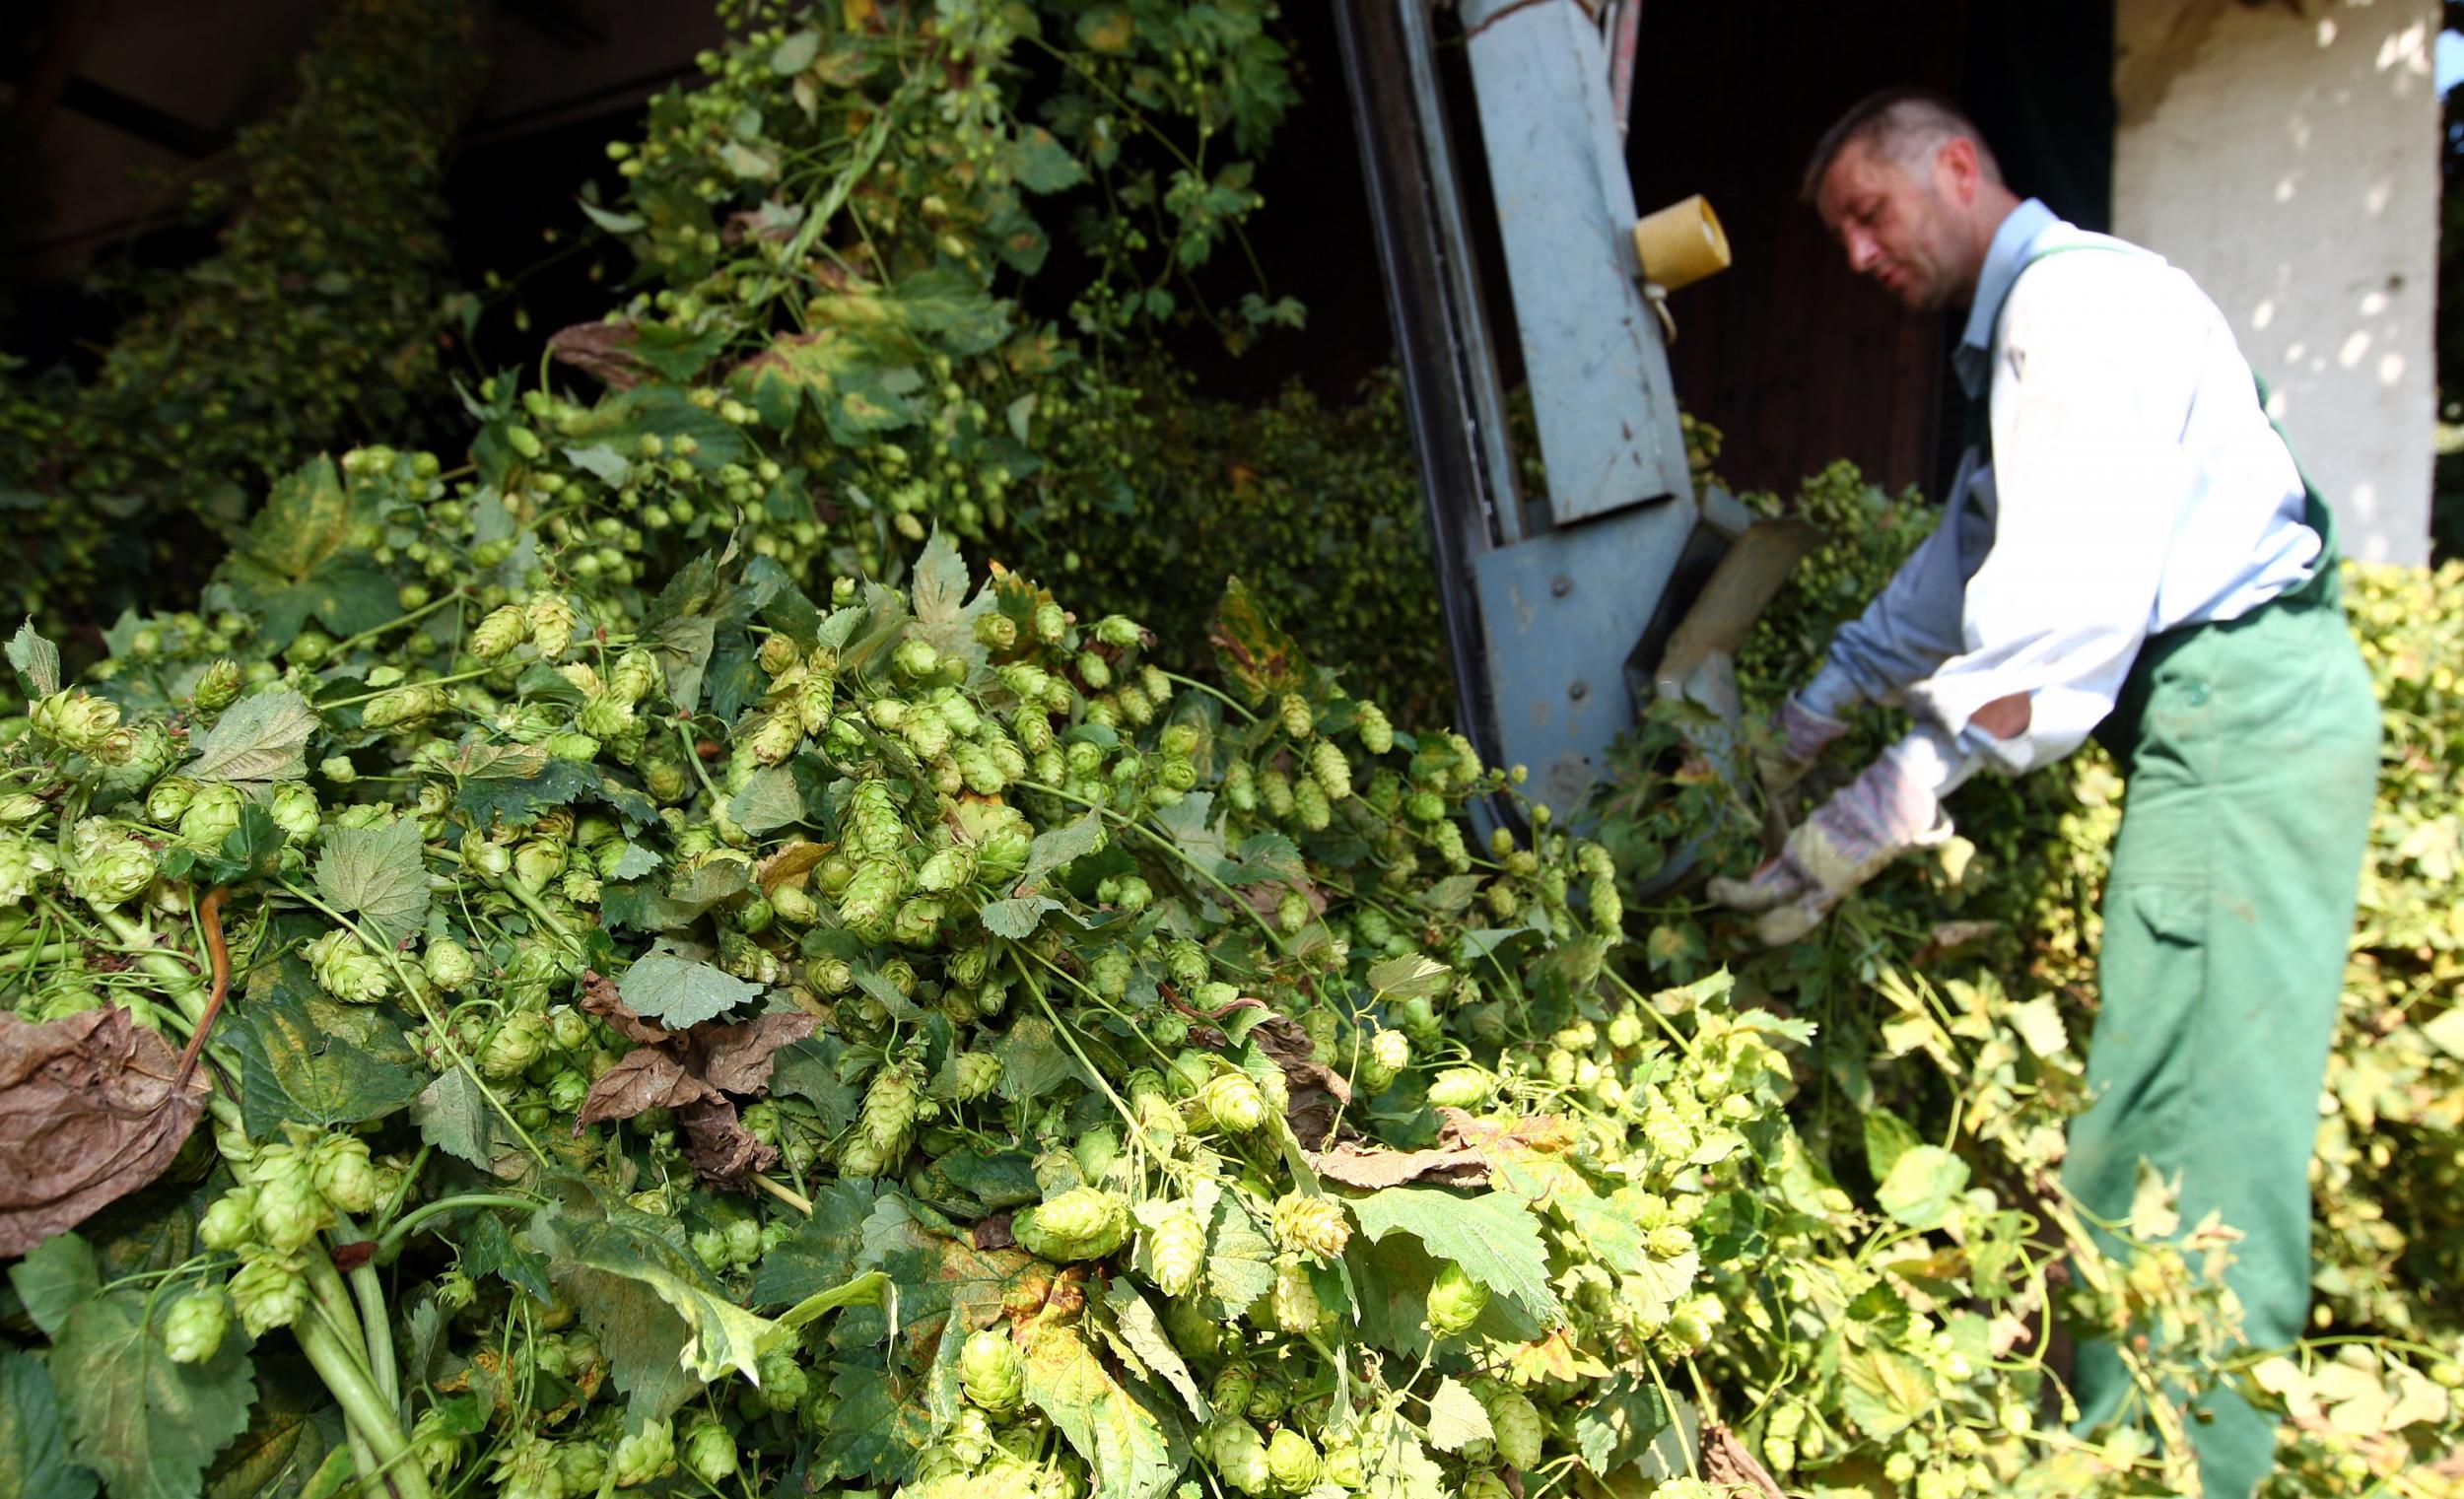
x=2004 y=258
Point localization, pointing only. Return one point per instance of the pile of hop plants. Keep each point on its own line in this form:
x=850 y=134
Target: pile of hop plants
x=618 y=961
x=899 y=1038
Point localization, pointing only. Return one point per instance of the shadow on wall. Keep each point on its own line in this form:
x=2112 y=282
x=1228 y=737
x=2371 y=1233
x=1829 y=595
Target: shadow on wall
x=2283 y=155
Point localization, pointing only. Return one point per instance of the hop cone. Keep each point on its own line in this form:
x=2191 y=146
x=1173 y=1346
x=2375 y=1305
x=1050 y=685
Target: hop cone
x=194 y=1328
x=267 y=1291
x=1455 y=1301
x=1462 y=1088
x=1297 y=719
x=992 y=1372
x=346 y=969
x=1233 y=1101
x=343 y=1174
x=1292 y=1462
x=709 y=1450
x=503 y=630
x=1310 y=1225
x=889 y=1113
x=289 y=1207
x=1515 y=1421
x=231 y=1222
x=644 y=1455
x=1331 y=770
x=978 y=1074
x=1082 y=1223
x=75 y=719
x=551 y=620
x=1309 y=806
x=1240 y=1455
x=1176 y=1249
x=1377 y=735
x=1296 y=1305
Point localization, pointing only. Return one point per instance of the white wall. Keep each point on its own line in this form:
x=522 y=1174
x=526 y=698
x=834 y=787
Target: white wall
x=2286 y=154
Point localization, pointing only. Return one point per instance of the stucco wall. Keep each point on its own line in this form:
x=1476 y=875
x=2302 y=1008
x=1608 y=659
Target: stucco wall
x=2286 y=153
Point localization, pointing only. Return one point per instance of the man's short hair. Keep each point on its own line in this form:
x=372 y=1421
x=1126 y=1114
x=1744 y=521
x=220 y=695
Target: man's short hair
x=1904 y=125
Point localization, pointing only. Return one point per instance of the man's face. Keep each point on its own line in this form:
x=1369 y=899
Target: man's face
x=1904 y=230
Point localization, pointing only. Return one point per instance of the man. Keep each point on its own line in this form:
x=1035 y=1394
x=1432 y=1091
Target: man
x=2130 y=550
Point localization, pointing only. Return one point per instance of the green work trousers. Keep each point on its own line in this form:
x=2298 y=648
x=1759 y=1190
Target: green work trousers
x=2251 y=753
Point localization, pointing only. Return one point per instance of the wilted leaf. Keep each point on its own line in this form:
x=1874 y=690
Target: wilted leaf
x=37 y=662
x=1467 y=1144
x=378 y=875
x=1254 y=654
x=1143 y=1332
x=260 y=739
x=647 y=1077
x=599 y=996
x=738 y=1059
x=1134 y=1448
x=88 y=1115
x=718 y=1147
x=309 y=1060
x=1457 y=1419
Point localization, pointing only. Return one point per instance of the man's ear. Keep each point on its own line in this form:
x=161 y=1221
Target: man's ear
x=1957 y=171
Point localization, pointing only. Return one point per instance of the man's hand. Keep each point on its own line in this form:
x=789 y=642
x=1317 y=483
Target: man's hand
x=1799 y=736
x=1875 y=818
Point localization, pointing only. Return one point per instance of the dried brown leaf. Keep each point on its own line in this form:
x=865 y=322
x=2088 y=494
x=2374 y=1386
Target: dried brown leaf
x=1731 y=1468
x=603 y=349
x=599 y=997
x=737 y=1058
x=1265 y=896
x=647 y=1078
x=789 y=865
x=719 y=1146
x=1318 y=1093
x=91 y=1108
x=1466 y=1147
x=993 y=1232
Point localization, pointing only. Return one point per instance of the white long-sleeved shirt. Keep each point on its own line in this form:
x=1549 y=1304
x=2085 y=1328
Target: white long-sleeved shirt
x=2134 y=487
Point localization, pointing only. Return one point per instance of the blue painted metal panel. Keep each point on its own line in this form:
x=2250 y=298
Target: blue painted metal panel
x=1591 y=345
x=1562 y=611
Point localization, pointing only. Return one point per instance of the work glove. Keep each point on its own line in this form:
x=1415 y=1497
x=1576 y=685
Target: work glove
x=1799 y=735
x=1877 y=817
